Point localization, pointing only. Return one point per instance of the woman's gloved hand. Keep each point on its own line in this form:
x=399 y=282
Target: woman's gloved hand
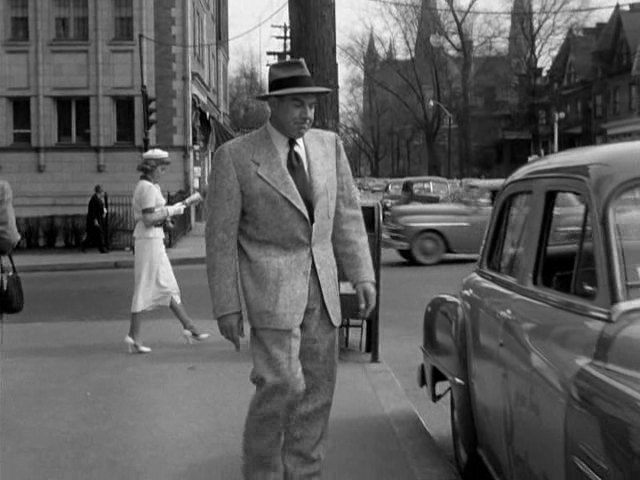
x=177 y=209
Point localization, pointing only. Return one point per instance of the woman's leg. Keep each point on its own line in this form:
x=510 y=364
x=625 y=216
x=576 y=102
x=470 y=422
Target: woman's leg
x=181 y=312
x=134 y=326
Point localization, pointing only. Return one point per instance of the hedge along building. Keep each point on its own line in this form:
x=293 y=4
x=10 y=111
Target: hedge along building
x=71 y=108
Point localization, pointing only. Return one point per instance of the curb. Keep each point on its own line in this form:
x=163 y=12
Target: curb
x=420 y=449
x=98 y=265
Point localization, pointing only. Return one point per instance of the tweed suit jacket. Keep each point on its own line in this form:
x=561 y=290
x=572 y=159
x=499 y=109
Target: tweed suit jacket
x=260 y=242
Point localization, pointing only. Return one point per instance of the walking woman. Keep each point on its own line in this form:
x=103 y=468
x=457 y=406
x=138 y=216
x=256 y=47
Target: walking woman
x=155 y=283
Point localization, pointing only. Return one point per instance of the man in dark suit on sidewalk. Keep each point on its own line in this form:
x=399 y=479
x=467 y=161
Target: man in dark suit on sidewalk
x=96 y=225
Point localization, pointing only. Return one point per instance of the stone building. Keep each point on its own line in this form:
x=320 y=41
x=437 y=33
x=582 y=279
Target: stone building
x=71 y=109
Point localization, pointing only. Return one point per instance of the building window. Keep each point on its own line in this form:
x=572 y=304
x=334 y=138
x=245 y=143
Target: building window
x=615 y=103
x=72 y=19
x=123 y=19
x=198 y=36
x=19 y=12
x=598 y=109
x=21 y=120
x=125 y=120
x=633 y=97
x=73 y=121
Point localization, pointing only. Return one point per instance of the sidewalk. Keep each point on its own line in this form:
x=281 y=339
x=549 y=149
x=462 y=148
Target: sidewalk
x=74 y=405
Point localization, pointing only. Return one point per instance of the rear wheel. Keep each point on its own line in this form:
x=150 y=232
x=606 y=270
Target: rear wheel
x=427 y=248
x=463 y=436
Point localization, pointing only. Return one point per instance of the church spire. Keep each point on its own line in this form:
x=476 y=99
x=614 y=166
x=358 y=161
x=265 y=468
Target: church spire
x=429 y=24
x=521 y=37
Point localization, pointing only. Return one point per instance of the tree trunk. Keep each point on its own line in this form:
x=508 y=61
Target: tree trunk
x=313 y=37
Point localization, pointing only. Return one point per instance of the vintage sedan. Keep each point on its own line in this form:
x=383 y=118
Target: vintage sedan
x=540 y=348
x=424 y=189
x=424 y=233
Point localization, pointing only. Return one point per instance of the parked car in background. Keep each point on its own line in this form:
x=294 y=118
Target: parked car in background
x=391 y=193
x=425 y=189
x=540 y=346
x=424 y=233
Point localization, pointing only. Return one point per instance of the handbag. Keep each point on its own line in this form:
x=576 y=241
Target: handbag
x=11 y=294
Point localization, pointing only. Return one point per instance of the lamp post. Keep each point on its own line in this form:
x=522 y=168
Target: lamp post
x=557 y=116
x=431 y=103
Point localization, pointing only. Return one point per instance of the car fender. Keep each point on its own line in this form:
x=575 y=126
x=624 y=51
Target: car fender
x=443 y=343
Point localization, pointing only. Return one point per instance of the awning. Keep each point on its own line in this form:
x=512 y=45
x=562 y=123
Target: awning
x=222 y=134
x=629 y=125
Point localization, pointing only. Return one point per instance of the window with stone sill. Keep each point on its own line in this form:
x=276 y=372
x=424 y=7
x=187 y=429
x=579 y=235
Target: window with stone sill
x=21 y=121
x=123 y=19
x=71 y=19
x=19 y=20
x=73 y=125
x=125 y=119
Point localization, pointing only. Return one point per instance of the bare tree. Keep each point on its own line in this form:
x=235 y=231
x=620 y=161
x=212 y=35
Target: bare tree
x=365 y=122
x=541 y=26
x=245 y=111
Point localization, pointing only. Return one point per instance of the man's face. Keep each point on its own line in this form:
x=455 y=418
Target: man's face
x=292 y=115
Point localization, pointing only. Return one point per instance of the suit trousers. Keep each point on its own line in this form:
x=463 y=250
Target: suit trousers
x=294 y=372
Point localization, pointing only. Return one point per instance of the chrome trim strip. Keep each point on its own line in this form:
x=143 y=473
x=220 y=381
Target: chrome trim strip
x=584 y=468
x=437 y=225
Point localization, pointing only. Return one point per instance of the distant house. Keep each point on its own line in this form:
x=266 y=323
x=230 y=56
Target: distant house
x=595 y=81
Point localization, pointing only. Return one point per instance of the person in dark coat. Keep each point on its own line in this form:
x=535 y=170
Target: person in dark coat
x=97 y=221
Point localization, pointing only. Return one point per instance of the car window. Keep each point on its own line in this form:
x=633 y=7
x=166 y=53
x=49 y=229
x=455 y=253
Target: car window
x=394 y=188
x=506 y=255
x=626 y=225
x=566 y=262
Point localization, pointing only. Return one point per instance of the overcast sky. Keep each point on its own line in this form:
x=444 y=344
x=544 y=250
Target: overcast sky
x=251 y=33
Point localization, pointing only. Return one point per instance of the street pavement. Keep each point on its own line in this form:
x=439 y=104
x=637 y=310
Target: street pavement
x=75 y=405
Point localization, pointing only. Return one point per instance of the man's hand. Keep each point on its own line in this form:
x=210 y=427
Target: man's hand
x=232 y=328
x=366 y=293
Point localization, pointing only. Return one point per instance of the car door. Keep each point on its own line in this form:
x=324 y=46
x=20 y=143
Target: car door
x=551 y=331
x=469 y=239
x=488 y=296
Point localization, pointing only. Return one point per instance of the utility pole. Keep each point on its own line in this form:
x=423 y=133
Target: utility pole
x=313 y=37
x=284 y=53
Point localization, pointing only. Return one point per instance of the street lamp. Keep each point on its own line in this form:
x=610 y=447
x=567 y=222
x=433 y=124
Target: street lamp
x=557 y=116
x=431 y=103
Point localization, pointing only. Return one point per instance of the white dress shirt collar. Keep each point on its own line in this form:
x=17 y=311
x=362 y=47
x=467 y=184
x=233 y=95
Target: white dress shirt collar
x=282 y=145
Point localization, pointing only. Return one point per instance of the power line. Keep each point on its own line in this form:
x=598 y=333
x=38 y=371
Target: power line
x=503 y=12
x=216 y=43
x=261 y=23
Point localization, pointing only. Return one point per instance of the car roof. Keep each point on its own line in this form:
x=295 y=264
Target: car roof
x=602 y=167
x=488 y=183
x=426 y=178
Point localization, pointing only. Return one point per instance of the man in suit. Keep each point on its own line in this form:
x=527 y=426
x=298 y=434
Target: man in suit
x=282 y=215
x=96 y=224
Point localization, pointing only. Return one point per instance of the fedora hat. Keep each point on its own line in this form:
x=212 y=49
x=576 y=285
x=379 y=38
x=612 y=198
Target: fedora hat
x=290 y=77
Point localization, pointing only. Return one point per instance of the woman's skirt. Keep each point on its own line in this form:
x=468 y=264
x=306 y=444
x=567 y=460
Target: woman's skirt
x=155 y=283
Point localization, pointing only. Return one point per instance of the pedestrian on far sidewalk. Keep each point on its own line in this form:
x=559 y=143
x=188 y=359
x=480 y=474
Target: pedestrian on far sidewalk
x=155 y=284
x=96 y=225
x=282 y=213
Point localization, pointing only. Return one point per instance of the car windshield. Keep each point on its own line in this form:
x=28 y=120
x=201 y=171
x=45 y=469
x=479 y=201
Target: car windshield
x=430 y=187
x=625 y=219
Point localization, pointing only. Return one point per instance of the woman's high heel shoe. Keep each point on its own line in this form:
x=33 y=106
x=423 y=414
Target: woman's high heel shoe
x=190 y=336
x=135 y=347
